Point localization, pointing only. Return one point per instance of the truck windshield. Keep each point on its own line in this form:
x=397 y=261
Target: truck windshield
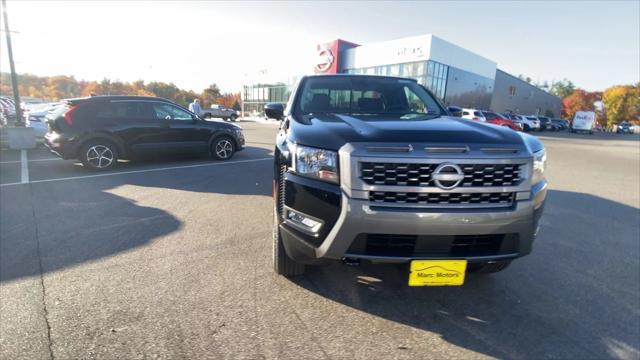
x=356 y=95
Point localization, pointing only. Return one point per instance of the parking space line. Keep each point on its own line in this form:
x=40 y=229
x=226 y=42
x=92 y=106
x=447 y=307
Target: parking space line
x=33 y=160
x=24 y=167
x=139 y=171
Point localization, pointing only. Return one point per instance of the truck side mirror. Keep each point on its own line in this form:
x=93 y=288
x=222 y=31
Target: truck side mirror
x=455 y=111
x=274 y=111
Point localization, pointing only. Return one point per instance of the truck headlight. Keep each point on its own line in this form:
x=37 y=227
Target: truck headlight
x=539 y=165
x=316 y=163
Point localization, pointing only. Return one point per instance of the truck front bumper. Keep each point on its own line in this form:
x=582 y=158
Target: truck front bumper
x=347 y=222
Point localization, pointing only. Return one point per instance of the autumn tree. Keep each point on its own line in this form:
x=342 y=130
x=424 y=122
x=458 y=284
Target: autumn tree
x=579 y=100
x=60 y=87
x=211 y=95
x=622 y=103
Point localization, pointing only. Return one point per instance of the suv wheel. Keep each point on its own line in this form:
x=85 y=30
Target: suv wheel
x=222 y=148
x=99 y=155
x=282 y=263
x=488 y=267
x=234 y=117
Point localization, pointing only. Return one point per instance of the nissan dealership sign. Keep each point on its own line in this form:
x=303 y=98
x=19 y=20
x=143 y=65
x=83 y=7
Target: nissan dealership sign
x=325 y=60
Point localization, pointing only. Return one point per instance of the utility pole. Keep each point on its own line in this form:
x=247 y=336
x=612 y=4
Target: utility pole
x=14 y=76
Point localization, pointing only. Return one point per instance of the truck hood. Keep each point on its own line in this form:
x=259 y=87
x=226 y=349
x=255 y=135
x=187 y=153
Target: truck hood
x=331 y=131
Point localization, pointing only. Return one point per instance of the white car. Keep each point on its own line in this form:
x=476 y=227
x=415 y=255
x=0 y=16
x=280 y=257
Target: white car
x=531 y=121
x=35 y=118
x=534 y=121
x=473 y=114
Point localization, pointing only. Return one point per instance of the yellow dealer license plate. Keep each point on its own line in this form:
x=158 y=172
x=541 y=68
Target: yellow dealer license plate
x=437 y=272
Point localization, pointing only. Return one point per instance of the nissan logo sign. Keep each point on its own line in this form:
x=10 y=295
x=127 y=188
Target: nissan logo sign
x=325 y=60
x=447 y=176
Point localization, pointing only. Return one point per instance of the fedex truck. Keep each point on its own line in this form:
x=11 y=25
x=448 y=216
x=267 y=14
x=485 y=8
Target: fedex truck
x=583 y=121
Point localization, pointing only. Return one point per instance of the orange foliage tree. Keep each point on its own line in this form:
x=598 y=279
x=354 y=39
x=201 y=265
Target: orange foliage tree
x=579 y=100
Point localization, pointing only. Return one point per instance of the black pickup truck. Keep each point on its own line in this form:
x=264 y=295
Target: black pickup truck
x=372 y=168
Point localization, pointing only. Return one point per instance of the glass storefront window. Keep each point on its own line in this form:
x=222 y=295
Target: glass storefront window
x=394 y=70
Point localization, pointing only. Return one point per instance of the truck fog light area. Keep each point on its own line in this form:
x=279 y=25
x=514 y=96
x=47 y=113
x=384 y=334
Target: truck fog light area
x=303 y=222
x=523 y=195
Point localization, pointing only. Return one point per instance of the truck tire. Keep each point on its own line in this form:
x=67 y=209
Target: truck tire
x=488 y=268
x=282 y=263
x=234 y=117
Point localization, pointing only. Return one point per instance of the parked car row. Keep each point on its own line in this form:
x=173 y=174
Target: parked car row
x=492 y=118
x=35 y=117
x=7 y=111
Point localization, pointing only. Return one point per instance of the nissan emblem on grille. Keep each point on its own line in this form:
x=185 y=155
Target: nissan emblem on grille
x=447 y=176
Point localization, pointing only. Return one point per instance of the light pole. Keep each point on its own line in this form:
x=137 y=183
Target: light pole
x=14 y=76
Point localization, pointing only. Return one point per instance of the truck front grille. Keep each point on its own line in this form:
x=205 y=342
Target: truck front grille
x=448 y=198
x=434 y=246
x=406 y=174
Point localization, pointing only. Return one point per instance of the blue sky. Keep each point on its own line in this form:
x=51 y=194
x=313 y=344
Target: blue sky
x=595 y=44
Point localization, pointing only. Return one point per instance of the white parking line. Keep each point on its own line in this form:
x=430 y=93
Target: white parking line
x=138 y=171
x=24 y=167
x=34 y=160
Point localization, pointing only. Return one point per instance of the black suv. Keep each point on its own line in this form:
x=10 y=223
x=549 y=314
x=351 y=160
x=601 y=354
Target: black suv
x=374 y=168
x=99 y=130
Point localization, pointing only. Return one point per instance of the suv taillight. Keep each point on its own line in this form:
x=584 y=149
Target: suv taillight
x=68 y=116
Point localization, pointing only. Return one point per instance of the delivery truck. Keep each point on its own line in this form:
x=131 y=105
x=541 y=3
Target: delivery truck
x=583 y=121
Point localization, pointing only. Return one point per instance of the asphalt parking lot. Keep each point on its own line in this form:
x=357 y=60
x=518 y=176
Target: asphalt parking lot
x=171 y=258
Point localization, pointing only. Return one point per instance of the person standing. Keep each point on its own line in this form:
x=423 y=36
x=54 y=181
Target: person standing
x=195 y=108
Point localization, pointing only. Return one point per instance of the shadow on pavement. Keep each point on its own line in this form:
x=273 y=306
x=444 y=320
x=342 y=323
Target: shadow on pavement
x=79 y=221
x=575 y=296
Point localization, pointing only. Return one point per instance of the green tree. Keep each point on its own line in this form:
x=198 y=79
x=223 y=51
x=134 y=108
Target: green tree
x=549 y=113
x=562 y=88
x=236 y=106
x=211 y=95
x=622 y=103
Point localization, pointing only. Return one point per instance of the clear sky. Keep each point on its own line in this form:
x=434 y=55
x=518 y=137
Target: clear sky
x=595 y=44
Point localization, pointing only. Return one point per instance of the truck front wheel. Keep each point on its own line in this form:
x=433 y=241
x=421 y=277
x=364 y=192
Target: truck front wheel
x=282 y=263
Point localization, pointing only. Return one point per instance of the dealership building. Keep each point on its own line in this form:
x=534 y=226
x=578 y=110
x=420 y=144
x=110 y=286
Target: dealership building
x=456 y=75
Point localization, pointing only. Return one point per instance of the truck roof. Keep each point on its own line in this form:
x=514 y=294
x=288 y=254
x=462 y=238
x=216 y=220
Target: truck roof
x=359 y=75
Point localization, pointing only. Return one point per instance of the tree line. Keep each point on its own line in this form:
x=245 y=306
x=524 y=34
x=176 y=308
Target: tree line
x=612 y=106
x=54 y=88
